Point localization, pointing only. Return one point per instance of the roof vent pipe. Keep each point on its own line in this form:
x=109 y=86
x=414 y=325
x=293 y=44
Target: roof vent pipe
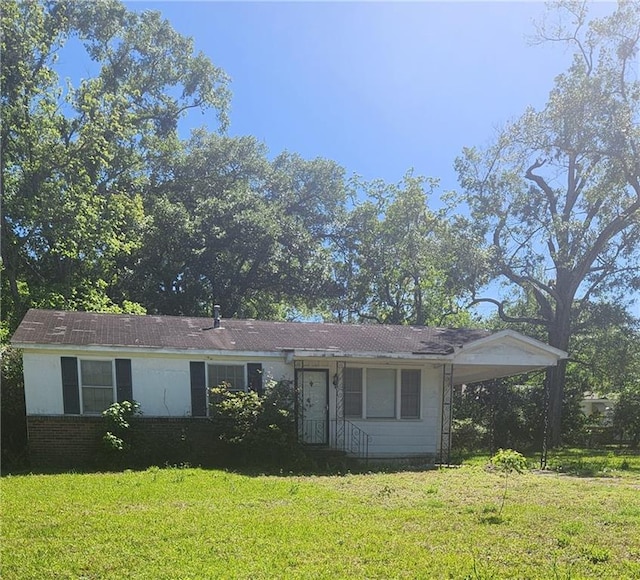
x=216 y=316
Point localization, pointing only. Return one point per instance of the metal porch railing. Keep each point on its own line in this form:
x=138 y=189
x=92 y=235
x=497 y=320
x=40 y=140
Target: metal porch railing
x=350 y=438
x=353 y=441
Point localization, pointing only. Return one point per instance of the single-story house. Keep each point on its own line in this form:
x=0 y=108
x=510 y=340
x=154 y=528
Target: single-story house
x=378 y=391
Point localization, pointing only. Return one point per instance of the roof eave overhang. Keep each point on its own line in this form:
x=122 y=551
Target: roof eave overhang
x=141 y=350
x=293 y=354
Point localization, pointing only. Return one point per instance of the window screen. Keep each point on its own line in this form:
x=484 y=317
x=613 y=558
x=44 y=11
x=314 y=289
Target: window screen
x=410 y=394
x=233 y=375
x=352 y=392
x=381 y=393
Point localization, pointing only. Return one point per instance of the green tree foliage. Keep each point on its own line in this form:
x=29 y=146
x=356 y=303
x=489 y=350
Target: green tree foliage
x=605 y=360
x=626 y=415
x=12 y=408
x=401 y=263
x=558 y=194
x=75 y=155
x=228 y=226
x=606 y=350
x=500 y=413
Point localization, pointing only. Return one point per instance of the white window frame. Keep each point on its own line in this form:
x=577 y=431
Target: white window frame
x=398 y=414
x=82 y=386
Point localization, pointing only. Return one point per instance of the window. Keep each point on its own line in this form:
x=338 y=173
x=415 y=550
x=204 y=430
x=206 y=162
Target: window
x=381 y=393
x=410 y=394
x=96 y=378
x=352 y=392
x=90 y=386
x=379 y=388
x=233 y=375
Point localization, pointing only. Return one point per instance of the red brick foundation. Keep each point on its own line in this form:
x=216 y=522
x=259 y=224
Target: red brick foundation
x=76 y=441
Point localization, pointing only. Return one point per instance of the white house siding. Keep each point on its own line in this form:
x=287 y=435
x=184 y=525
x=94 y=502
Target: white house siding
x=161 y=386
x=275 y=370
x=161 y=382
x=42 y=384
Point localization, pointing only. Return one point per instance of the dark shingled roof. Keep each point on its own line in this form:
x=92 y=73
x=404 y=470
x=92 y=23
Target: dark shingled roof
x=51 y=327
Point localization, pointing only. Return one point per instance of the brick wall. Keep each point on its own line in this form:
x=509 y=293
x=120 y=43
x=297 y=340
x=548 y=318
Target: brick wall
x=70 y=441
x=63 y=441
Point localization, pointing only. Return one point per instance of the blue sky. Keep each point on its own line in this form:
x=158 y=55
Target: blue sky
x=379 y=87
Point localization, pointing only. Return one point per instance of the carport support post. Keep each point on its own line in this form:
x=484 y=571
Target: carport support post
x=338 y=383
x=447 y=414
x=298 y=379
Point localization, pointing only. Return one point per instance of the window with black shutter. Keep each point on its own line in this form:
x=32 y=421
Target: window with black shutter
x=124 y=384
x=254 y=373
x=198 y=389
x=70 y=385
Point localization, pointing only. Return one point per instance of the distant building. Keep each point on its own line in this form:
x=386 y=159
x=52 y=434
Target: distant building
x=597 y=406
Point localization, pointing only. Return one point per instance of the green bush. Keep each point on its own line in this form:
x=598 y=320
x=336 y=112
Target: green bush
x=12 y=410
x=259 y=430
x=503 y=413
x=626 y=415
x=467 y=435
x=116 y=441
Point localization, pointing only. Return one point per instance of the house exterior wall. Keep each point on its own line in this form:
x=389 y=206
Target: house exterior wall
x=63 y=440
x=161 y=384
x=42 y=384
x=394 y=438
x=76 y=440
x=503 y=355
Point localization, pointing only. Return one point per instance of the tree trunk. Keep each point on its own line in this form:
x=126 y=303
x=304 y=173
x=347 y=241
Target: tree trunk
x=555 y=381
x=559 y=335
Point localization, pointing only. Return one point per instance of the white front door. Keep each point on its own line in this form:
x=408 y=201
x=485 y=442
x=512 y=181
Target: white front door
x=314 y=426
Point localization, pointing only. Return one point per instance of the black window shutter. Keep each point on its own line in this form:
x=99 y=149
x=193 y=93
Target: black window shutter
x=124 y=384
x=70 y=385
x=254 y=372
x=198 y=390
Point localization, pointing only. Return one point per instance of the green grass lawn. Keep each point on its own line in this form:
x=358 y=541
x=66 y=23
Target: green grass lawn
x=193 y=523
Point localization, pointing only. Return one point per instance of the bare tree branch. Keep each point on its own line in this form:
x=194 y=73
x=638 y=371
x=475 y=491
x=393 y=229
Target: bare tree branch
x=504 y=316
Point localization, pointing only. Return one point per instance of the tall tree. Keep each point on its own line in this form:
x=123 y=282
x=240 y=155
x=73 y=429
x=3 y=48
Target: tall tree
x=398 y=261
x=75 y=155
x=558 y=194
x=244 y=232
